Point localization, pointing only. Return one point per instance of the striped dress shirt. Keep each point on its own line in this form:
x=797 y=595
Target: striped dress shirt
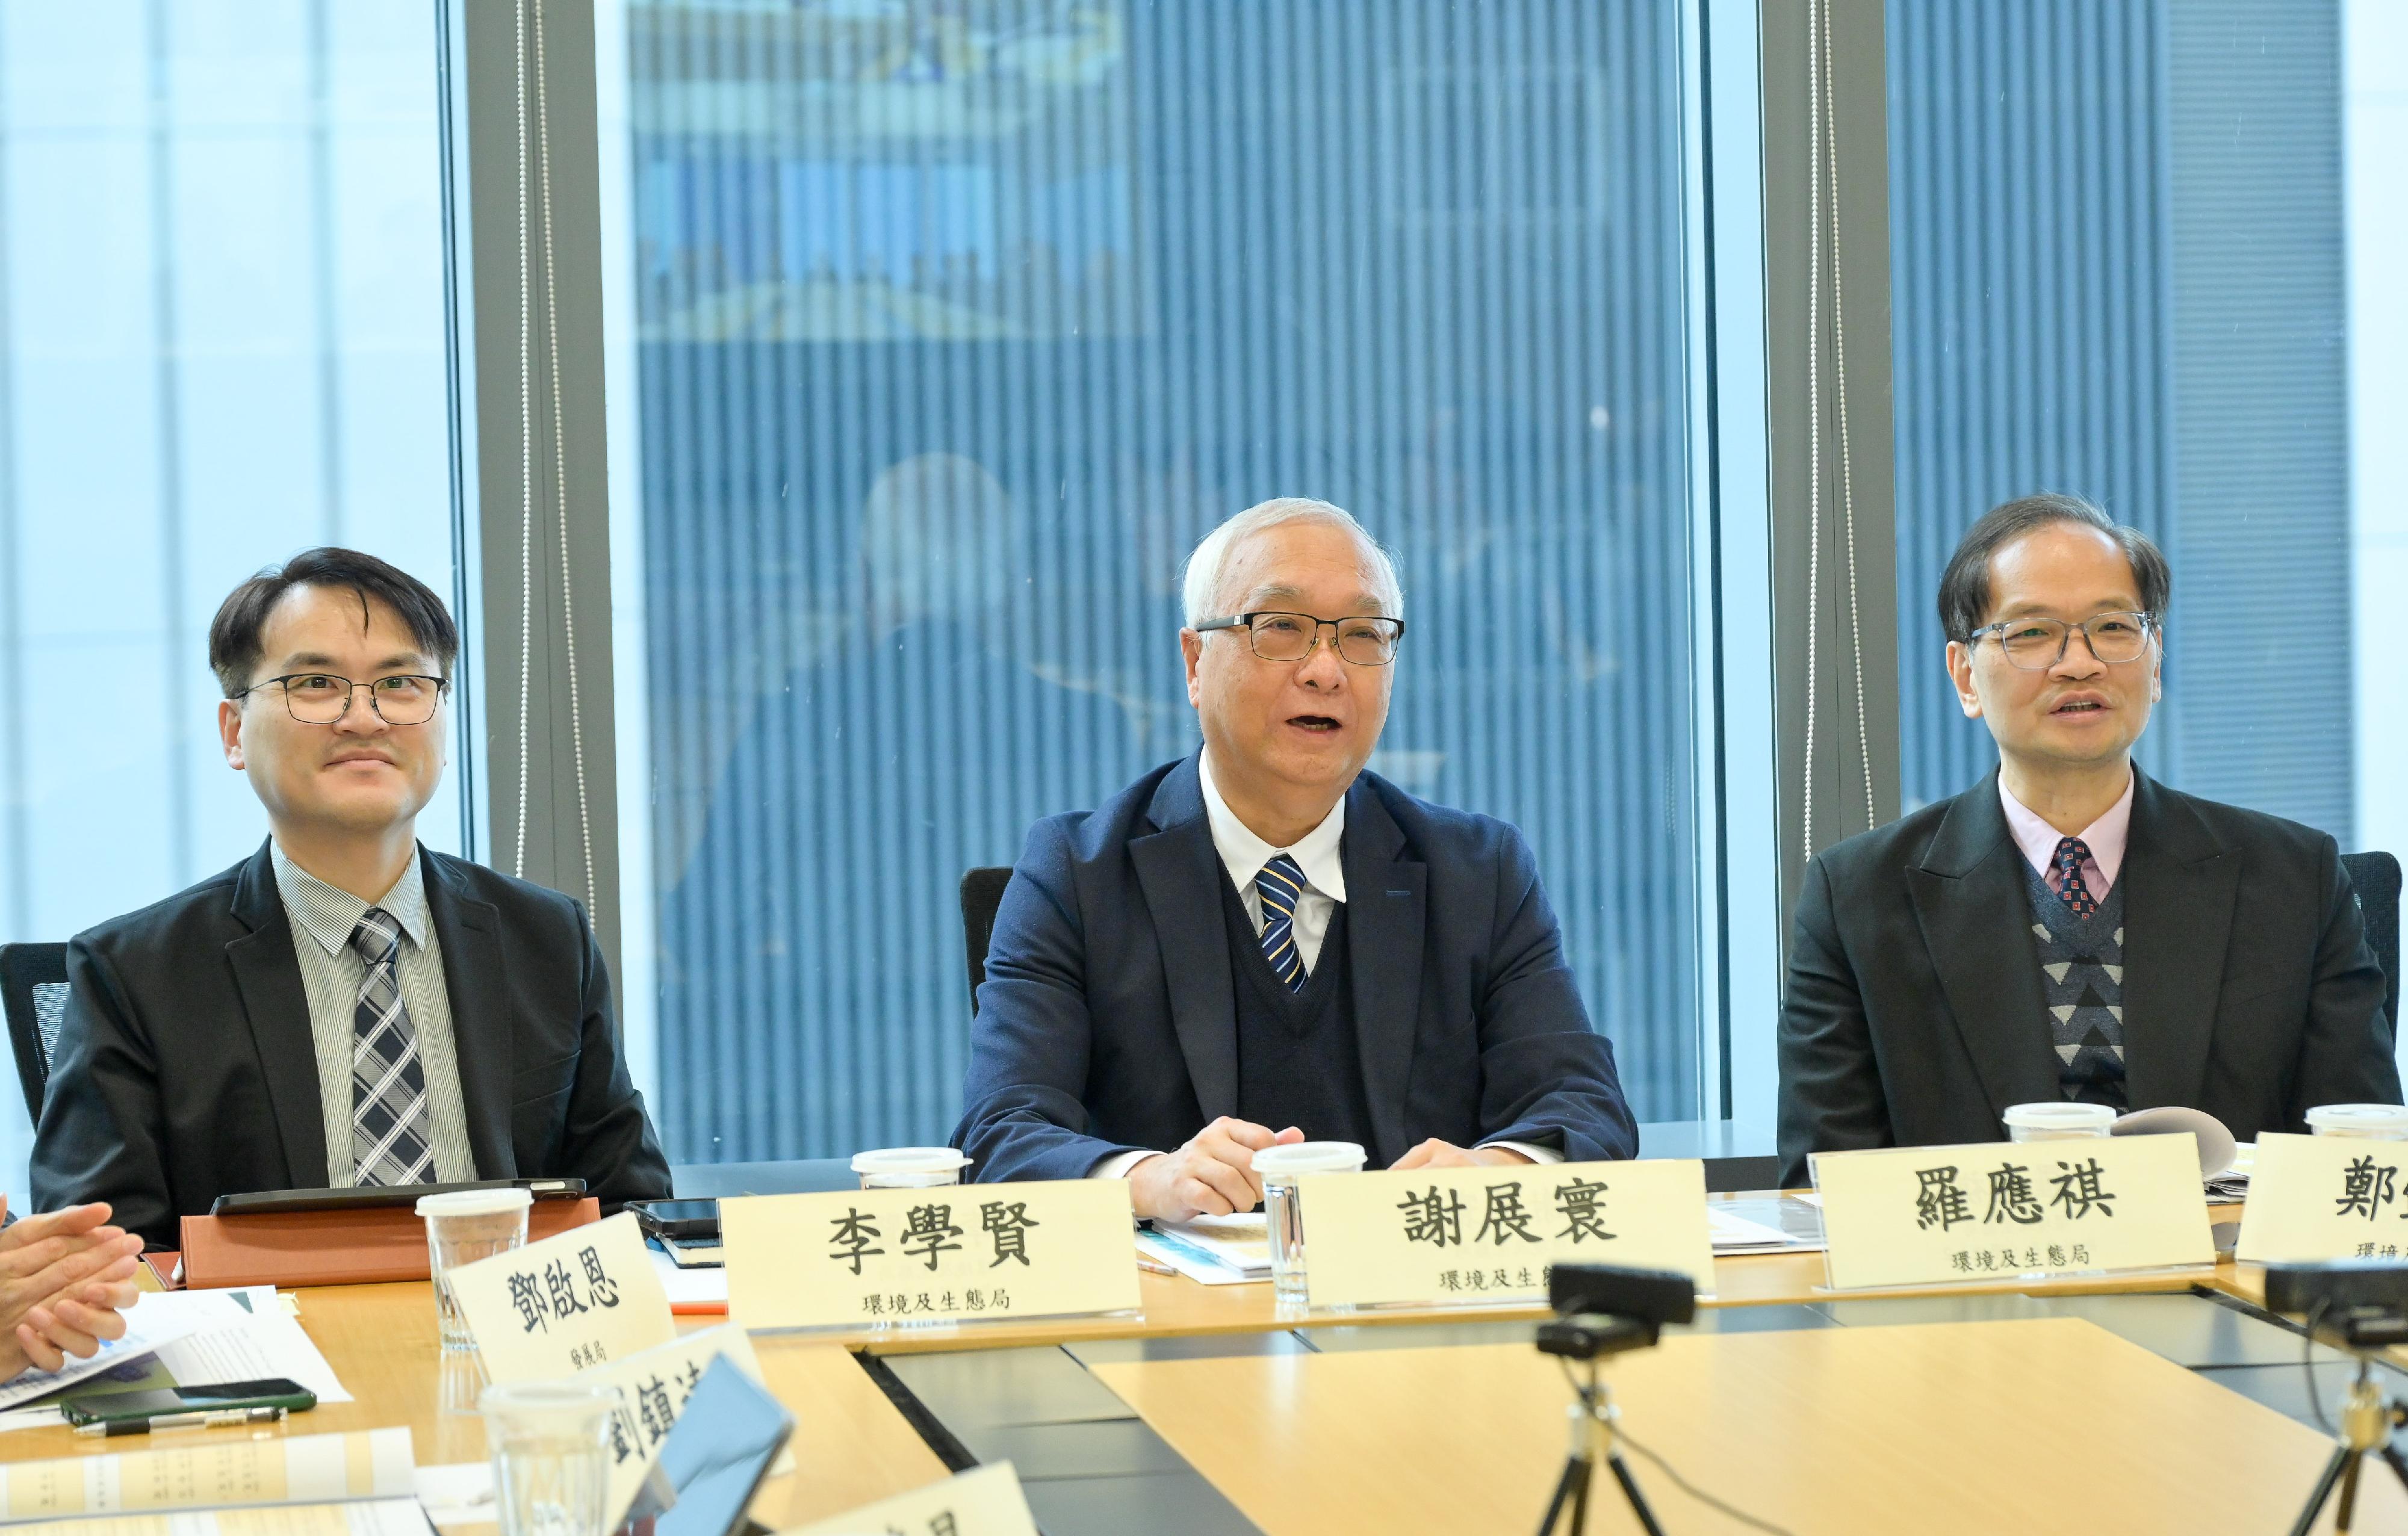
x=332 y=970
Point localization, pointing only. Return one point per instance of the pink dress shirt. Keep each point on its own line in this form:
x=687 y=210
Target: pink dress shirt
x=2105 y=837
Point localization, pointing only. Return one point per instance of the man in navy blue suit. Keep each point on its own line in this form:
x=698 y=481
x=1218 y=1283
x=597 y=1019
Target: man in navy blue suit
x=1264 y=935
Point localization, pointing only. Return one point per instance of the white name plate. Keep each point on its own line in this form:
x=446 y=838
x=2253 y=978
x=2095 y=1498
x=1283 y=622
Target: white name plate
x=581 y=1299
x=955 y=1252
x=983 y=1502
x=1923 y=1215
x=1486 y=1234
x=2315 y=1197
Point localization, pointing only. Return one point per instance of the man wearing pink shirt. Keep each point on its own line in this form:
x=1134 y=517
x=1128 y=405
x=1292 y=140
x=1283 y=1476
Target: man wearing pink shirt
x=2068 y=929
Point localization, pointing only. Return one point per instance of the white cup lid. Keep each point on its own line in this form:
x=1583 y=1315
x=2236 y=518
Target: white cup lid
x=474 y=1203
x=1310 y=1158
x=2063 y=1116
x=910 y=1160
x=2360 y=1117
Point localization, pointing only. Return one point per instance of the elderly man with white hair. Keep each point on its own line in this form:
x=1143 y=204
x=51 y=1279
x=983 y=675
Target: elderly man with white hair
x=1264 y=944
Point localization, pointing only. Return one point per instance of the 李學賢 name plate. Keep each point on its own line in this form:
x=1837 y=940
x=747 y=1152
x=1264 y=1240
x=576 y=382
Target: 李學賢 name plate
x=1924 y=1215
x=954 y=1253
x=1490 y=1234
x=2314 y=1198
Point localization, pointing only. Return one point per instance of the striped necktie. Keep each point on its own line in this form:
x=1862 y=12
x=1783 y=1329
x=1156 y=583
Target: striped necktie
x=1280 y=883
x=393 y=1139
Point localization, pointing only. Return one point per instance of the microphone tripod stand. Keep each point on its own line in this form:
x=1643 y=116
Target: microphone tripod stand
x=1592 y=1414
x=2367 y=1422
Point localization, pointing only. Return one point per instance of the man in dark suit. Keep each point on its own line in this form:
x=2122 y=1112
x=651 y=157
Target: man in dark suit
x=1263 y=935
x=343 y=1007
x=2068 y=929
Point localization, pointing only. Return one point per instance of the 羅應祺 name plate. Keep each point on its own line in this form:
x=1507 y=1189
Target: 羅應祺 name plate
x=1923 y=1215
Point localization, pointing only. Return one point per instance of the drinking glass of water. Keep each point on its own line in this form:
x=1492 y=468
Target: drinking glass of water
x=550 y=1443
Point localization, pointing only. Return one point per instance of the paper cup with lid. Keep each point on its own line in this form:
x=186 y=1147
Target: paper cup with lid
x=2366 y=1122
x=909 y=1168
x=2058 y=1121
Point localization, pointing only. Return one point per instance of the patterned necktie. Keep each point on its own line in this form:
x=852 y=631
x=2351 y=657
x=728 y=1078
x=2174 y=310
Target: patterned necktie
x=393 y=1139
x=2072 y=854
x=1279 y=884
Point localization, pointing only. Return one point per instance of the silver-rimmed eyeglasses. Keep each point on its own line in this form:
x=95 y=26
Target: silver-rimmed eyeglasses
x=1365 y=640
x=2036 y=644
x=321 y=698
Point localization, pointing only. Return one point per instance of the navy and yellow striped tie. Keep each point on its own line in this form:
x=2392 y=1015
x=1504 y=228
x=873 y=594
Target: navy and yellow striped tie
x=1280 y=883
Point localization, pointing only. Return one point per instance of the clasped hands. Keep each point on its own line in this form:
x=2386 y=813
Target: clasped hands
x=65 y=1280
x=1213 y=1174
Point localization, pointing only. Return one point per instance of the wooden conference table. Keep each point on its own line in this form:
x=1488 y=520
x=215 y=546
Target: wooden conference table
x=2029 y=1423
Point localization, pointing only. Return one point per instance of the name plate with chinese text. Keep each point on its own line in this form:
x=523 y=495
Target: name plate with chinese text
x=1487 y=1234
x=1924 y=1215
x=983 y=1501
x=653 y=1386
x=2315 y=1197
x=954 y=1252
x=566 y=1304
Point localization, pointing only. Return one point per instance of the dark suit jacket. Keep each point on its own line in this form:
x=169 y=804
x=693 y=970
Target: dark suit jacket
x=1108 y=1017
x=186 y=1069
x=1913 y=1016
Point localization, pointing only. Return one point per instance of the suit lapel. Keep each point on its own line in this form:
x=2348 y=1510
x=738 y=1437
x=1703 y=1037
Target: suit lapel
x=1387 y=904
x=1972 y=902
x=465 y=929
x=2179 y=885
x=1182 y=876
x=267 y=978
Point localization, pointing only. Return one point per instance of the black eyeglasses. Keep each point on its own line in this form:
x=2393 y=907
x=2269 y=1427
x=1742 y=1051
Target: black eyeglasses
x=2036 y=644
x=321 y=698
x=1366 y=641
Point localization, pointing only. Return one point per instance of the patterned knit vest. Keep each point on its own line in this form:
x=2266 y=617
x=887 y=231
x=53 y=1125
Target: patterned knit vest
x=2081 y=984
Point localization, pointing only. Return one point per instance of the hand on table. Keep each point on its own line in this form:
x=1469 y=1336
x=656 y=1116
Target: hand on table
x=1437 y=1154
x=64 y=1279
x=1213 y=1175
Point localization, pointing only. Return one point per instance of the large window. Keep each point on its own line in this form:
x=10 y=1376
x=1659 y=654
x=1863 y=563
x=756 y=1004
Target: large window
x=222 y=315
x=958 y=324
x=2147 y=252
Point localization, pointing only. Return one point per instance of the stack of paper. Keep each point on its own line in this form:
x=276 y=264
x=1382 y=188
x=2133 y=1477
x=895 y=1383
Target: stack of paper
x=1214 y=1250
x=181 y=1339
x=1765 y=1223
x=366 y=1517
x=213 y=1473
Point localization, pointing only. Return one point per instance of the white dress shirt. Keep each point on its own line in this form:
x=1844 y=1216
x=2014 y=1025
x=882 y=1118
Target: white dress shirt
x=1243 y=855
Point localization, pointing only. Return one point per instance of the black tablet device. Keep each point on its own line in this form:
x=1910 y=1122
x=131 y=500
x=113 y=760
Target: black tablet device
x=723 y=1444
x=261 y=1202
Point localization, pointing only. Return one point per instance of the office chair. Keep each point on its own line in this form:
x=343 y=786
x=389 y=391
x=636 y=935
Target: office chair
x=981 y=894
x=2376 y=878
x=34 y=993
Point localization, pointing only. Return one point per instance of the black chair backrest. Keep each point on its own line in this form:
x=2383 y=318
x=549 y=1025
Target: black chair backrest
x=981 y=894
x=34 y=993
x=2376 y=879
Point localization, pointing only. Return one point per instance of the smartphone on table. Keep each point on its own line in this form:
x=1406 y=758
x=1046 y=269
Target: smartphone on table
x=688 y=1219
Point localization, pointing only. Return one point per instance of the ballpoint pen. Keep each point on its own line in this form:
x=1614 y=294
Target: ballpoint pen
x=197 y=1419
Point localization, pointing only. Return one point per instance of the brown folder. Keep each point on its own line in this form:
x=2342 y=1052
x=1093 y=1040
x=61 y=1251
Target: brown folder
x=335 y=1247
